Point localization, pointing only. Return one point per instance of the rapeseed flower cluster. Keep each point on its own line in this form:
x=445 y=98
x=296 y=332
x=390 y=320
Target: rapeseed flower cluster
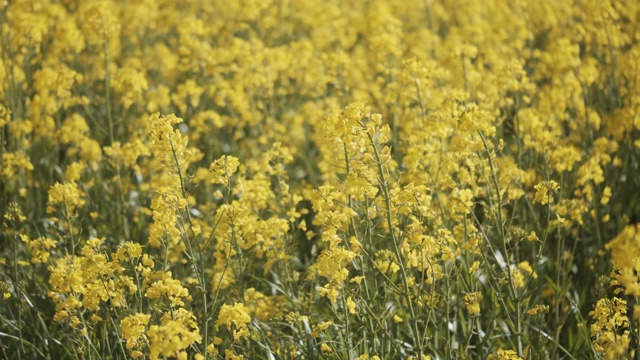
x=446 y=179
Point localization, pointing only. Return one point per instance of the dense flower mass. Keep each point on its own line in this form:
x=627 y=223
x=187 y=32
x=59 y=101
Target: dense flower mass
x=337 y=179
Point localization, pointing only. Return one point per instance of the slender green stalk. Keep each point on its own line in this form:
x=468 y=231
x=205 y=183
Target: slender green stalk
x=500 y=226
x=387 y=199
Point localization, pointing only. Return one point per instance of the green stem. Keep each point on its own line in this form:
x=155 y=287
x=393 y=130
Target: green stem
x=500 y=225
x=18 y=294
x=387 y=198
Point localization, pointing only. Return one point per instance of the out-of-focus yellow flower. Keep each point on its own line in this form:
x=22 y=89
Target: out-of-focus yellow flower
x=625 y=252
x=538 y=309
x=13 y=163
x=133 y=326
x=472 y=302
x=544 y=191
x=610 y=329
x=236 y=318
x=67 y=195
x=504 y=355
x=170 y=338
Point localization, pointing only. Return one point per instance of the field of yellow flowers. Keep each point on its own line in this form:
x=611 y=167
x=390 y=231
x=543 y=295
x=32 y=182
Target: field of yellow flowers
x=320 y=179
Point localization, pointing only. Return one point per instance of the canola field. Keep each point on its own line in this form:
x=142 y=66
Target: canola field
x=305 y=179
